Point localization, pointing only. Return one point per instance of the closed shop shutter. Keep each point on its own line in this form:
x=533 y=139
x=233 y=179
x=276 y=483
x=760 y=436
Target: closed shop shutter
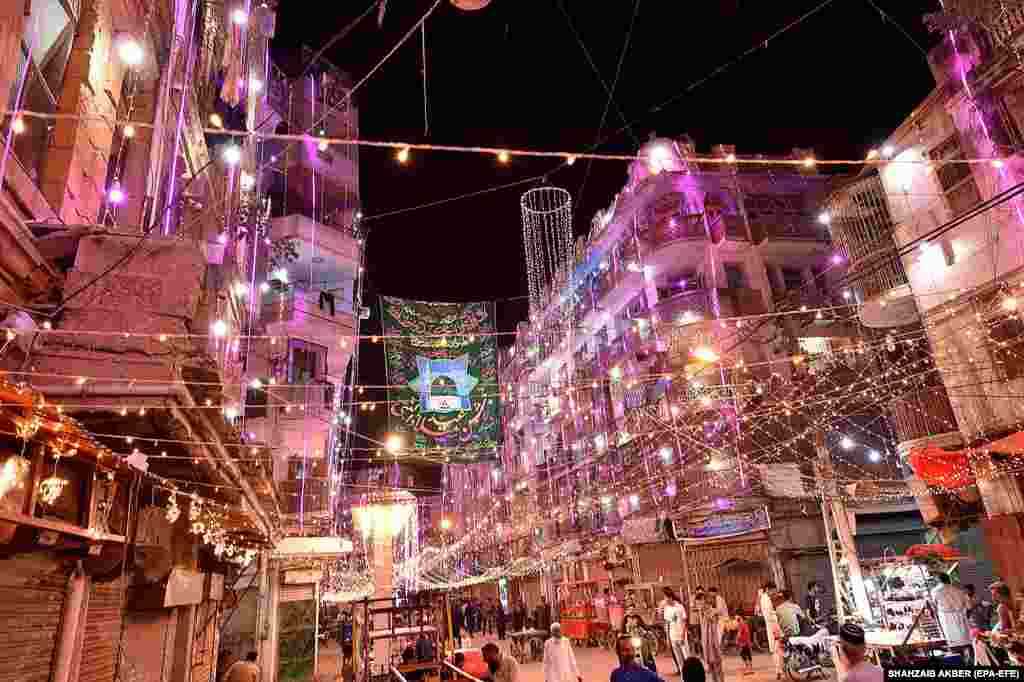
x=660 y=562
x=102 y=632
x=290 y=593
x=805 y=568
x=31 y=607
x=737 y=569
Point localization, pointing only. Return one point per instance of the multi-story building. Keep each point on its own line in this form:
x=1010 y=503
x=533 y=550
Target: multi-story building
x=932 y=228
x=651 y=380
x=178 y=298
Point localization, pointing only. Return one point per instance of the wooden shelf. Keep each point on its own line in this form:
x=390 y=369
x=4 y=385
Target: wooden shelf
x=59 y=527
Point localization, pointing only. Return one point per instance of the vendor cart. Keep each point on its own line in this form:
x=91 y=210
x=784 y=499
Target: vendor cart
x=527 y=645
x=581 y=626
x=388 y=640
x=642 y=600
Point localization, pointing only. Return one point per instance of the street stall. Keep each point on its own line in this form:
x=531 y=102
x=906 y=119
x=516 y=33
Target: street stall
x=903 y=624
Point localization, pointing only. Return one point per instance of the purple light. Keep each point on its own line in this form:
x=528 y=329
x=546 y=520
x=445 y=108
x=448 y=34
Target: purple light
x=670 y=490
x=115 y=195
x=223 y=238
x=837 y=258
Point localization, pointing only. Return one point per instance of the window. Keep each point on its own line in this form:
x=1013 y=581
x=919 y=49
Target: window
x=48 y=34
x=307 y=362
x=956 y=179
x=734 y=278
x=792 y=279
x=1005 y=335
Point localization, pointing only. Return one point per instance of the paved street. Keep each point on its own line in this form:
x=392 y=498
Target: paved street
x=596 y=665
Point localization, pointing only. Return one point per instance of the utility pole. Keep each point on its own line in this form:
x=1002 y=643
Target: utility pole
x=842 y=551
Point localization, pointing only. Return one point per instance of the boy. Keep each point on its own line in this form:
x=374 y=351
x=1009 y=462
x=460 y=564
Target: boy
x=743 y=642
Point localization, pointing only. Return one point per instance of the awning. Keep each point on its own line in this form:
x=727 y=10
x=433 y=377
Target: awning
x=945 y=468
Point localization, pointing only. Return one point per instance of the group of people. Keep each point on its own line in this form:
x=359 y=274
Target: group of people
x=964 y=619
x=475 y=617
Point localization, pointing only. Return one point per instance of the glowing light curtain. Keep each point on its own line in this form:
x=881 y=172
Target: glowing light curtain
x=443 y=391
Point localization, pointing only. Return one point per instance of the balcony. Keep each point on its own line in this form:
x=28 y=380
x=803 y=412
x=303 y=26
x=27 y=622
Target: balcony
x=921 y=413
x=678 y=227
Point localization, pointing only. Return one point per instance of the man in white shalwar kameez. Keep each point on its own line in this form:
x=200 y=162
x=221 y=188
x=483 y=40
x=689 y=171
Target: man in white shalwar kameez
x=952 y=603
x=559 y=659
x=771 y=622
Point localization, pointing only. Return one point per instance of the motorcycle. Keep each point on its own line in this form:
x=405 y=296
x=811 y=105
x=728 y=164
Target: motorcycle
x=805 y=656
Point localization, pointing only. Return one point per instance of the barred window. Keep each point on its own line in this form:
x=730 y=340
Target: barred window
x=956 y=179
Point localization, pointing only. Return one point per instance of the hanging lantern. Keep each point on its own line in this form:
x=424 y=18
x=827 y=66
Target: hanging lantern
x=173 y=511
x=51 y=488
x=471 y=5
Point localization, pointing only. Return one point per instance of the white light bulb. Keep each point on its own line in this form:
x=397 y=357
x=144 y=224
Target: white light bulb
x=220 y=328
x=231 y=155
x=239 y=17
x=131 y=52
x=846 y=442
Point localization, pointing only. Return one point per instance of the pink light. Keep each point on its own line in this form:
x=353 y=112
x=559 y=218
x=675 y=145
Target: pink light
x=222 y=238
x=837 y=258
x=670 y=490
x=116 y=194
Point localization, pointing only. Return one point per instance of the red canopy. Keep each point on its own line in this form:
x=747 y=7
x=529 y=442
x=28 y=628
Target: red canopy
x=935 y=466
x=942 y=551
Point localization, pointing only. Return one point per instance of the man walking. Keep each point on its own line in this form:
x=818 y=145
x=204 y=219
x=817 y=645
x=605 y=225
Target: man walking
x=953 y=605
x=559 y=659
x=675 y=616
x=543 y=615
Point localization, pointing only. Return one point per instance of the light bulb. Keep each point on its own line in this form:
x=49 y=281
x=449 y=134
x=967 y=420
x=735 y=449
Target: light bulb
x=216 y=121
x=128 y=131
x=255 y=85
x=241 y=289
x=846 y=443
x=874 y=455
x=503 y=157
x=264 y=287
x=872 y=154
x=824 y=218
x=1009 y=304
x=131 y=52
x=322 y=146
x=18 y=125
x=231 y=155
x=809 y=161
x=115 y=194
x=403 y=155
x=220 y=328
x=239 y=17
x=730 y=158
x=247 y=181
x=705 y=354
x=570 y=161
x=888 y=151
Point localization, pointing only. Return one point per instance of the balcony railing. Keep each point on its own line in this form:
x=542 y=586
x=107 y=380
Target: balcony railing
x=921 y=413
x=802 y=229
x=675 y=228
x=300 y=305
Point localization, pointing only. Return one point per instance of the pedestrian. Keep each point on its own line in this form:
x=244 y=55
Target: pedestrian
x=502 y=666
x=711 y=642
x=1004 y=620
x=852 y=652
x=743 y=642
x=458 y=622
x=559 y=658
x=813 y=609
x=543 y=615
x=629 y=669
x=675 y=616
x=771 y=623
x=787 y=613
x=718 y=603
x=501 y=621
x=953 y=605
x=519 y=617
x=244 y=671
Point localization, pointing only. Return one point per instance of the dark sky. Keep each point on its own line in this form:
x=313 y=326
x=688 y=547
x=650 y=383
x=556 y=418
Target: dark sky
x=514 y=75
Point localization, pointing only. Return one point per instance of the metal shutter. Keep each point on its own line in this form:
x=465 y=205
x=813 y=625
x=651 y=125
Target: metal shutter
x=290 y=593
x=102 y=632
x=30 y=618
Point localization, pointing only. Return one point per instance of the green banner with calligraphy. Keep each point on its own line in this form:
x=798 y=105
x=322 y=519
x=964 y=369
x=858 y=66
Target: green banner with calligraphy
x=442 y=361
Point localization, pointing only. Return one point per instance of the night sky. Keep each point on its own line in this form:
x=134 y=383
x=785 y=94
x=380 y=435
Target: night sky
x=514 y=75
